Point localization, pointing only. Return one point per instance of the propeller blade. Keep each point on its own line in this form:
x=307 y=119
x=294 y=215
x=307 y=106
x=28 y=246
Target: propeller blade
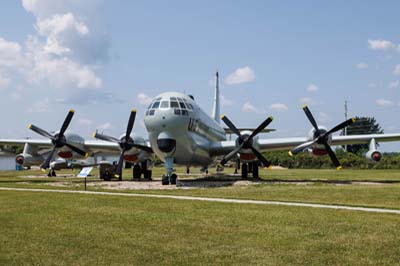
x=260 y=157
x=119 y=166
x=66 y=122
x=46 y=163
x=105 y=137
x=333 y=157
x=341 y=126
x=76 y=149
x=131 y=122
x=310 y=117
x=230 y=125
x=230 y=155
x=301 y=147
x=40 y=131
x=143 y=148
x=261 y=126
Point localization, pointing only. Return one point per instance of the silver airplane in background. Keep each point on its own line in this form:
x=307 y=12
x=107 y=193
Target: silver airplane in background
x=180 y=132
x=71 y=148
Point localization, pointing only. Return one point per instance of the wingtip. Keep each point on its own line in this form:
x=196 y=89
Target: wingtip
x=339 y=167
x=94 y=134
x=353 y=119
x=269 y=167
x=30 y=126
x=304 y=106
x=222 y=116
x=133 y=110
x=72 y=111
x=86 y=155
x=271 y=117
x=290 y=153
x=43 y=170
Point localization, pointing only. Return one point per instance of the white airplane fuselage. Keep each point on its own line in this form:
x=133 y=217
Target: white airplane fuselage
x=180 y=129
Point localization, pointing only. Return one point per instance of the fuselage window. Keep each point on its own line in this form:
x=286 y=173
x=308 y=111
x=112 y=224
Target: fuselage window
x=177 y=111
x=174 y=104
x=185 y=112
x=164 y=104
x=151 y=112
x=156 y=105
x=147 y=113
x=173 y=98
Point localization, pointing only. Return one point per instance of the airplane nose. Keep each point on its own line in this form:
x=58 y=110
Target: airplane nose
x=165 y=143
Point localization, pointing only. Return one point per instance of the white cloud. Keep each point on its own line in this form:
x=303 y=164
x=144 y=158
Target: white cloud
x=307 y=101
x=381 y=45
x=225 y=101
x=384 y=102
x=394 y=84
x=240 y=76
x=10 y=54
x=105 y=126
x=396 y=70
x=312 y=88
x=144 y=99
x=40 y=106
x=278 y=107
x=249 y=108
x=362 y=65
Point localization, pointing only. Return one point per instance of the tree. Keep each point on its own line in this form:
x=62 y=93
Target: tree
x=362 y=126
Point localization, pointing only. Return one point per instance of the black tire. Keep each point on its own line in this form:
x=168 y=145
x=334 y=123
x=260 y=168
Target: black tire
x=187 y=170
x=172 y=179
x=147 y=174
x=165 y=180
x=137 y=171
x=244 y=171
x=53 y=173
x=255 y=171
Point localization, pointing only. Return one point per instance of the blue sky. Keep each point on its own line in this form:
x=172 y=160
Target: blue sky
x=103 y=58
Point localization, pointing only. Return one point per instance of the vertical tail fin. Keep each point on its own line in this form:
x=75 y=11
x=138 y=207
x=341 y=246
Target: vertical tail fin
x=216 y=110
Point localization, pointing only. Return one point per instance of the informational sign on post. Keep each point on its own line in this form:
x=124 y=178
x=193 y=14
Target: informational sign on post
x=85 y=172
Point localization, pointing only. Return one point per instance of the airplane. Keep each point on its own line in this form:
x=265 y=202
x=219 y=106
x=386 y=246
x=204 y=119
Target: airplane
x=71 y=148
x=180 y=132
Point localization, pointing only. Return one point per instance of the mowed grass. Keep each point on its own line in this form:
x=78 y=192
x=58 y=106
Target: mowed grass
x=312 y=186
x=69 y=229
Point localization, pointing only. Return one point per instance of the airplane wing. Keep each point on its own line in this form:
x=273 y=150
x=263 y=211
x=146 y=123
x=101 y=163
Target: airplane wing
x=275 y=144
x=92 y=146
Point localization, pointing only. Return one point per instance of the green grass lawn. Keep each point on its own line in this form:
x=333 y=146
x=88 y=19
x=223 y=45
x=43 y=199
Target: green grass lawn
x=69 y=229
x=337 y=191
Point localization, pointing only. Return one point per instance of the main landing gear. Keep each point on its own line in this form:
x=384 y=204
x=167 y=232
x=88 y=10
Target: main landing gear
x=142 y=168
x=52 y=173
x=252 y=168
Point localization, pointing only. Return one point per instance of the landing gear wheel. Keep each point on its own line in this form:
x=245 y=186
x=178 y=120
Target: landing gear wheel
x=187 y=170
x=244 y=171
x=147 y=175
x=255 y=171
x=165 y=180
x=137 y=171
x=172 y=179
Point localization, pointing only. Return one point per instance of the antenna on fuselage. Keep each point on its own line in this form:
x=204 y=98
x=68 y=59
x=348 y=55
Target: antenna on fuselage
x=216 y=110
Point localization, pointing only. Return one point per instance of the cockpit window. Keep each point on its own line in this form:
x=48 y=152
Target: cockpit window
x=173 y=98
x=174 y=104
x=190 y=106
x=164 y=104
x=155 y=105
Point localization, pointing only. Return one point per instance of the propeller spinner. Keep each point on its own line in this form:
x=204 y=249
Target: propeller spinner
x=321 y=137
x=58 y=140
x=246 y=142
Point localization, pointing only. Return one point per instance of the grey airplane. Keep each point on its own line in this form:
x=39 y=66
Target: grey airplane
x=71 y=148
x=180 y=132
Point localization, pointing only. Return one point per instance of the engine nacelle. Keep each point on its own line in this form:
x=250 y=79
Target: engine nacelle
x=28 y=160
x=374 y=155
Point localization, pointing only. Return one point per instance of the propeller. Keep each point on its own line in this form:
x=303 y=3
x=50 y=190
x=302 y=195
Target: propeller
x=246 y=142
x=321 y=137
x=58 y=140
x=126 y=143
